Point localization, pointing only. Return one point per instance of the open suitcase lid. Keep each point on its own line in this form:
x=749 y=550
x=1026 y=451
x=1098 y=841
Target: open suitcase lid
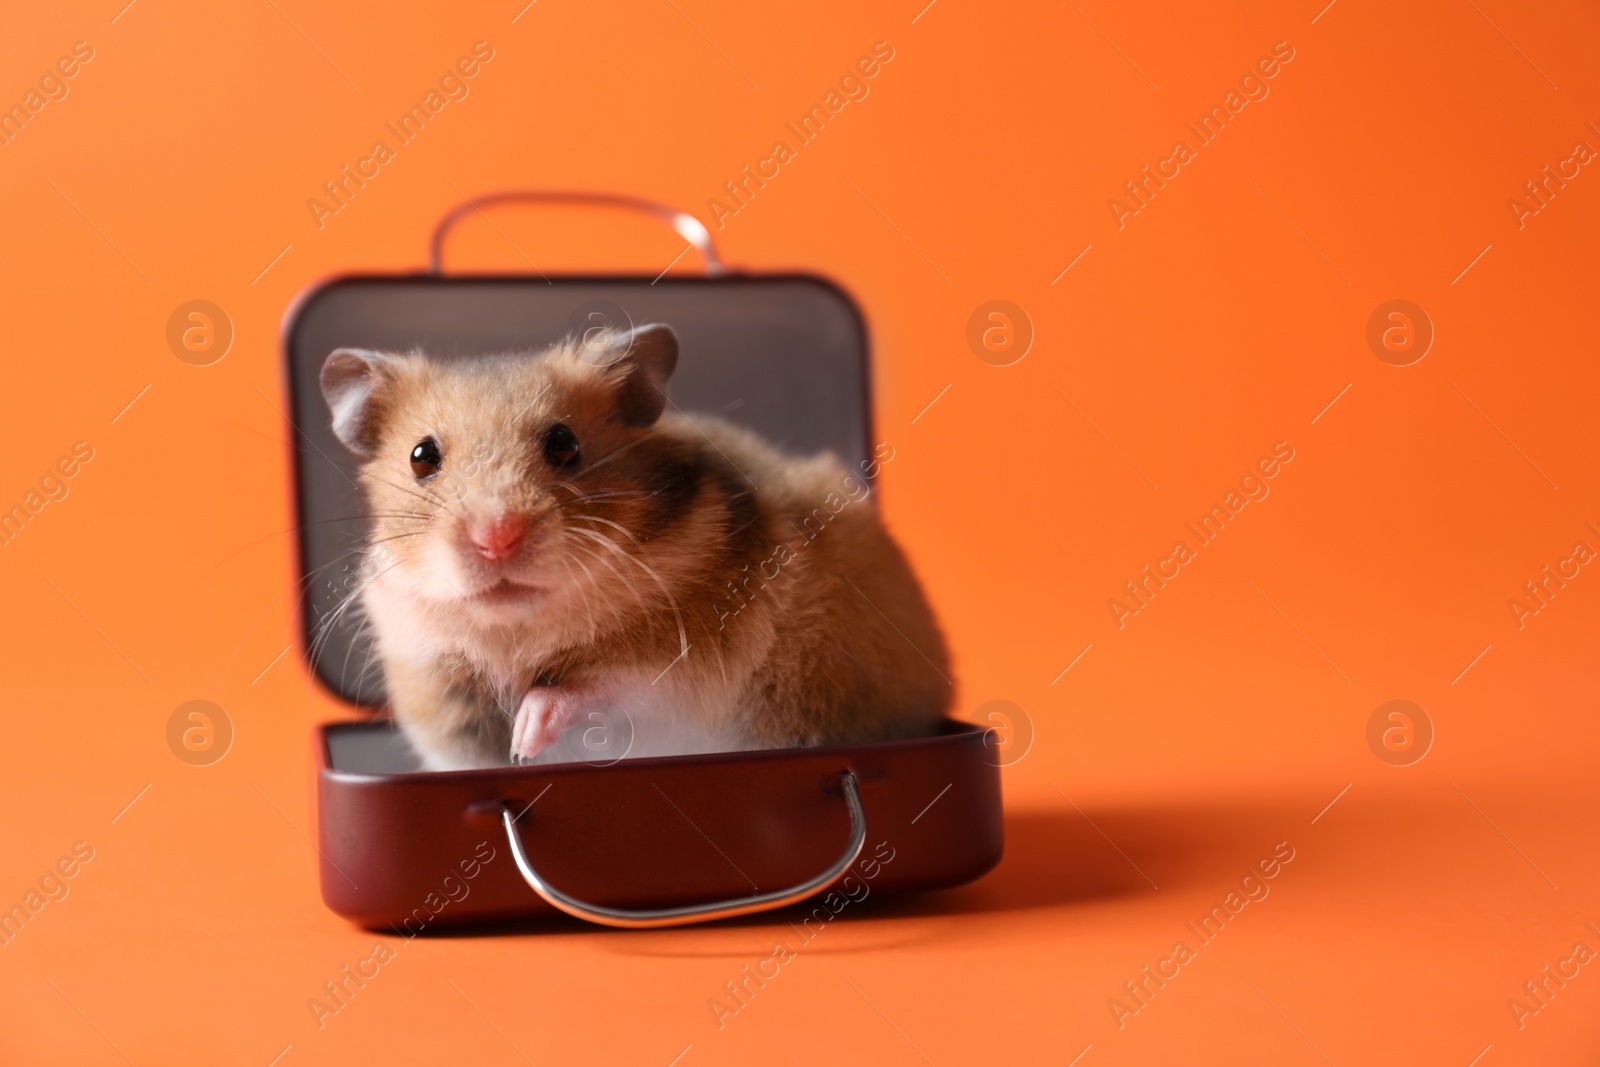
x=785 y=355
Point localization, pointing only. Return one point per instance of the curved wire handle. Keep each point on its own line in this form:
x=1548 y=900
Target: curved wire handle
x=646 y=918
x=688 y=227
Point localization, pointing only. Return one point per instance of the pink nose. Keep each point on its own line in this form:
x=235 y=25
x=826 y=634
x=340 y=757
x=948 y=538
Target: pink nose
x=497 y=538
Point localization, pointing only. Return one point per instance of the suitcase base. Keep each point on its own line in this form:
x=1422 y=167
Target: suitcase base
x=410 y=850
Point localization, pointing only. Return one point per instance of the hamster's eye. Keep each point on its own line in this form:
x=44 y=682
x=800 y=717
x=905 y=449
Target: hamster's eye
x=425 y=459
x=560 y=447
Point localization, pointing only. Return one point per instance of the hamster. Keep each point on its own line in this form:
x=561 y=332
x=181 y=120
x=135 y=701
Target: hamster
x=551 y=548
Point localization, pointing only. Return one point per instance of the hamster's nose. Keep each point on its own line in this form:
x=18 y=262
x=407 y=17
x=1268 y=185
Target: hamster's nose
x=498 y=537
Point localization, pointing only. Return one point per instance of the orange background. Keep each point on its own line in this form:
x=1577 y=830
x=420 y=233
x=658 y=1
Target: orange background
x=1223 y=318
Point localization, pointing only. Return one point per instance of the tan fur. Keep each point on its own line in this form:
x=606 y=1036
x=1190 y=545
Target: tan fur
x=802 y=620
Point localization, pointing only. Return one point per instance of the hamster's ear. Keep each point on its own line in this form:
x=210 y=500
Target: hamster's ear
x=646 y=357
x=352 y=379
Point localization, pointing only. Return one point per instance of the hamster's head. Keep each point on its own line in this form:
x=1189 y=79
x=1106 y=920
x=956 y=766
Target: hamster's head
x=501 y=486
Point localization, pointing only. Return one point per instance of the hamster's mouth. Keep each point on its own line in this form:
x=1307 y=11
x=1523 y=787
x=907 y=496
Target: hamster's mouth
x=505 y=592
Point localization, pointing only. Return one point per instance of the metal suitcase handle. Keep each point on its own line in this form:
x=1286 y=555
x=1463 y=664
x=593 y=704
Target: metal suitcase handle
x=646 y=918
x=688 y=227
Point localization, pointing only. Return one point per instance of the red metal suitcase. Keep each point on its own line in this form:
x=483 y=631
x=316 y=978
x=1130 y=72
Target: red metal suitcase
x=618 y=841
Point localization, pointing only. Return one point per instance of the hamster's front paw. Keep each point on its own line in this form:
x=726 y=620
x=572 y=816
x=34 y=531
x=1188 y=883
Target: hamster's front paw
x=546 y=711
